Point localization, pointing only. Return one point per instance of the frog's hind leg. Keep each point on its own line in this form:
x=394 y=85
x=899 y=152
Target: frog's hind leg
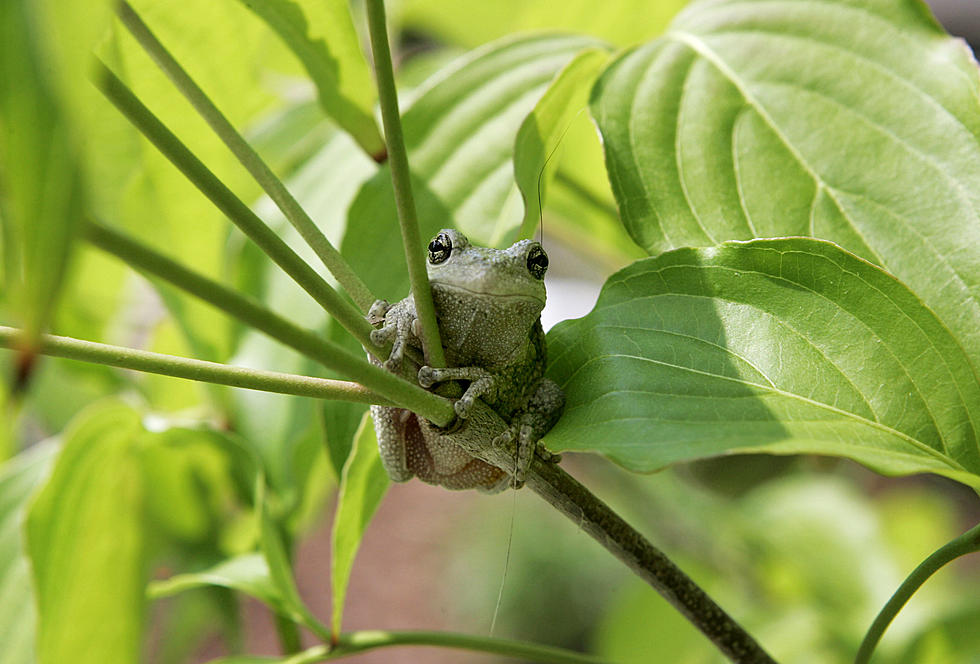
x=398 y=432
x=535 y=420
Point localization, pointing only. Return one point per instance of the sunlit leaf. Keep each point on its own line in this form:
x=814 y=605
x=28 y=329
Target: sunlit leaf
x=41 y=180
x=362 y=486
x=86 y=540
x=321 y=34
x=781 y=346
x=544 y=128
x=18 y=479
x=472 y=22
x=854 y=121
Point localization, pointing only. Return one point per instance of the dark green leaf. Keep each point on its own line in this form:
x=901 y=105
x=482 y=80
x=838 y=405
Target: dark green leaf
x=855 y=121
x=781 y=346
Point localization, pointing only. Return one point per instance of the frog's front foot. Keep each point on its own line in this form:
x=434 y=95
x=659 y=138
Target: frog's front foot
x=481 y=381
x=376 y=314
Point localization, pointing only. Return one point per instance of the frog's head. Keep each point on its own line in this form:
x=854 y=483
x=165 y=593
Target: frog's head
x=479 y=272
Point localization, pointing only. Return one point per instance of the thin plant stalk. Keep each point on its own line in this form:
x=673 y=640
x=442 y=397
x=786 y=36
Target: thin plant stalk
x=150 y=126
x=401 y=179
x=351 y=643
x=968 y=542
x=249 y=158
x=198 y=370
x=245 y=309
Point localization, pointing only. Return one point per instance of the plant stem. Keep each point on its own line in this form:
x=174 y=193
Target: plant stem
x=968 y=542
x=593 y=516
x=329 y=354
x=288 y=632
x=199 y=370
x=352 y=643
x=249 y=158
x=150 y=126
x=401 y=178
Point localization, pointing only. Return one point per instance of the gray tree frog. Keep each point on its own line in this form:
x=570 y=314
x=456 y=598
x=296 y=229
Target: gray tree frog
x=488 y=304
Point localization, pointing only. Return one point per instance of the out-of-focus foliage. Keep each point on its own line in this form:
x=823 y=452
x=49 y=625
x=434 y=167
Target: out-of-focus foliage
x=852 y=121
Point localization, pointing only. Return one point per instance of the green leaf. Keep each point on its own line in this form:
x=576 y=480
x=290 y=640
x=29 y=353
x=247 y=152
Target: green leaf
x=855 y=121
x=460 y=133
x=280 y=569
x=781 y=346
x=247 y=573
x=18 y=479
x=321 y=34
x=86 y=540
x=362 y=486
x=42 y=201
x=543 y=129
x=473 y=22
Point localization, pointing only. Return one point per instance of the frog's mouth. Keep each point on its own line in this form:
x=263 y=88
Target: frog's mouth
x=483 y=290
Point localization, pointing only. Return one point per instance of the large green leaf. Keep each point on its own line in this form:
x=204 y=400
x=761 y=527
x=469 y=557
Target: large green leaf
x=460 y=133
x=363 y=485
x=18 y=479
x=321 y=34
x=855 y=121
x=86 y=540
x=782 y=346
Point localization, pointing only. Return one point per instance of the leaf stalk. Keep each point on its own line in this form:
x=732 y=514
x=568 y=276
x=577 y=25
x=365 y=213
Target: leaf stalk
x=199 y=370
x=968 y=542
x=328 y=353
x=240 y=214
x=401 y=179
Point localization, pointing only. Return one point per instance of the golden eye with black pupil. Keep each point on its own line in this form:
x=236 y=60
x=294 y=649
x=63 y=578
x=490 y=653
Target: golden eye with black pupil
x=537 y=262
x=440 y=248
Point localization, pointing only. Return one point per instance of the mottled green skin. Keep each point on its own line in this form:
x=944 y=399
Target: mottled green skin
x=488 y=304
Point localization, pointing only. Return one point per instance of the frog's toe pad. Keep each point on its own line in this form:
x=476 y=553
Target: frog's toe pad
x=427 y=377
x=462 y=408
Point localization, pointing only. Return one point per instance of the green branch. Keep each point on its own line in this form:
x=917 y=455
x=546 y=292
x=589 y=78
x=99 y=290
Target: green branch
x=199 y=370
x=968 y=542
x=150 y=126
x=401 y=178
x=249 y=158
x=329 y=354
x=352 y=643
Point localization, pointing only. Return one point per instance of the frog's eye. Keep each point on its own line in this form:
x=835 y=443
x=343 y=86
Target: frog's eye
x=537 y=262
x=440 y=248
